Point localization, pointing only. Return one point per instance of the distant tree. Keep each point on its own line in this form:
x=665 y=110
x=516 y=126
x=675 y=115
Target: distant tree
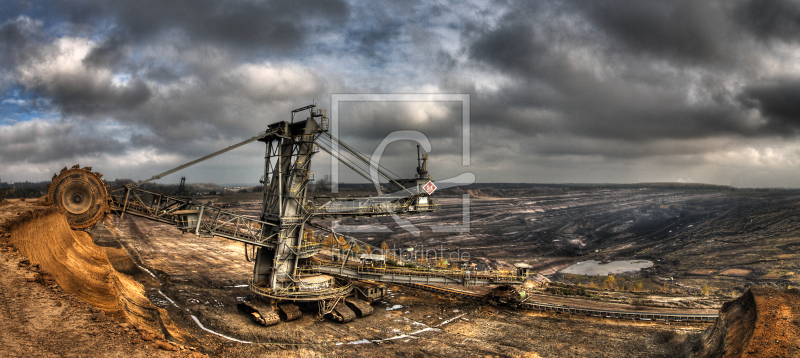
x=385 y=248
x=638 y=287
x=356 y=248
x=28 y=193
x=321 y=185
x=610 y=282
x=330 y=241
x=705 y=290
x=122 y=182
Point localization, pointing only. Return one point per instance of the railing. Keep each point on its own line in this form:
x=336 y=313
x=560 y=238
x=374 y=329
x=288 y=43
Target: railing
x=457 y=275
x=372 y=209
x=633 y=315
x=210 y=220
x=294 y=292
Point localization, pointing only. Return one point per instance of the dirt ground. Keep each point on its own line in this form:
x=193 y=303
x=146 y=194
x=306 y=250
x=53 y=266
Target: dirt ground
x=197 y=282
x=40 y=319
x=200 y=280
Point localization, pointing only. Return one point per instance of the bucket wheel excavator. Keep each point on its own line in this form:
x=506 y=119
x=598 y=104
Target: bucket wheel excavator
x=286 y=275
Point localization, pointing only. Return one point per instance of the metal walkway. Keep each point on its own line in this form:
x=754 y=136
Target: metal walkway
x=410 y=276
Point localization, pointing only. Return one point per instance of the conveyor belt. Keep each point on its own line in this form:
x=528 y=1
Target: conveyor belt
x=540 y=306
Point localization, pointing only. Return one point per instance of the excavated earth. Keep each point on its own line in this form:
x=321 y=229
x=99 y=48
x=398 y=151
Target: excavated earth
x=133 y=287
x=61 y=296
x=764 y=322
x=200 y=280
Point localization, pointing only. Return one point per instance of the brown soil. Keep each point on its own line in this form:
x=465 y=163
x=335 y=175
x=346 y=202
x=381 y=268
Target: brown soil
x=735 y=272
x=763 y=322
x=702 y=272
x=61 y=297
x=203 y=277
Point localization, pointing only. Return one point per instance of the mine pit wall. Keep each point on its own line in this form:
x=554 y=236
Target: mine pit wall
x=82 y=269
x=763 y=322
x=733 y=328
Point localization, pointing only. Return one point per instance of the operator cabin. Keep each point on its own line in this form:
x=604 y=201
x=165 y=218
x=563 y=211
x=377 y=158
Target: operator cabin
x=372 y=260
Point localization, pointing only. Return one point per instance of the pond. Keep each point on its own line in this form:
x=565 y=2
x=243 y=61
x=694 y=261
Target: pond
x=597 y=268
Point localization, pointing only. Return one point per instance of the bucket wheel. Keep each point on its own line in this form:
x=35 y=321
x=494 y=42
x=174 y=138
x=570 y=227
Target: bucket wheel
x=81 y=193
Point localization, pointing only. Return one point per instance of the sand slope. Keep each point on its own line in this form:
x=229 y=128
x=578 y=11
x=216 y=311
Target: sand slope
x=82 y=268
x=763 y=322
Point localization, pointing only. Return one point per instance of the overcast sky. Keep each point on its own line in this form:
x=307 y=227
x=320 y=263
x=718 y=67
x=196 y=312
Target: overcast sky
x=560 y=91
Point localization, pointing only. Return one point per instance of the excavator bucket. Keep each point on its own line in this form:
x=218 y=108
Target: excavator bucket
x=82 y=194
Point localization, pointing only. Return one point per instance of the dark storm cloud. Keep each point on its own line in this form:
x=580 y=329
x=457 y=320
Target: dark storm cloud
x=374 y=42
x=612 y=109
x=778 y=101
x=108 y=54
x=513 y=47
x=266 y=25
x=778 y=19
x=17 y=39
x=583 y=82
x=693 y=31
x=380 y=28
x=627 y=70
x=79 y=98
x=41 y=142
x=194 y=95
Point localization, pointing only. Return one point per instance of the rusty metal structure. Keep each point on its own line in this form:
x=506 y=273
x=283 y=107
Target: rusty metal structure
x=285 y=271
x=81 y=193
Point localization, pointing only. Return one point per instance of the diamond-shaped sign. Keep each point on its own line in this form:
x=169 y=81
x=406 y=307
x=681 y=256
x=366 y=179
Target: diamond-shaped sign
x=429 y=188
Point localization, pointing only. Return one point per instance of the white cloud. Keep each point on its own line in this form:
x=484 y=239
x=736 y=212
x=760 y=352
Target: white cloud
x=267 y=81
x=62 y=63
x=14 y=101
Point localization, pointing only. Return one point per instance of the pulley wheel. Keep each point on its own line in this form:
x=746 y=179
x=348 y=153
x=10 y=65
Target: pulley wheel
x=82 y=194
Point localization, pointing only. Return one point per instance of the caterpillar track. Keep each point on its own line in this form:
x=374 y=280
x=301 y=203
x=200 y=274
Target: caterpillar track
x=359 y=307
x=343 y=314
x=259 y=313
x=289 y=311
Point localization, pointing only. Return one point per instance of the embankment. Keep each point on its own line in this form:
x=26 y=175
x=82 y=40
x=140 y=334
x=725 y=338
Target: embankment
x=763 y=322
x=83 y=269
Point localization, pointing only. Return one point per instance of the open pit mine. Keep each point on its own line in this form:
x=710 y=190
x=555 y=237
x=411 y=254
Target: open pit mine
x=650 y=270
